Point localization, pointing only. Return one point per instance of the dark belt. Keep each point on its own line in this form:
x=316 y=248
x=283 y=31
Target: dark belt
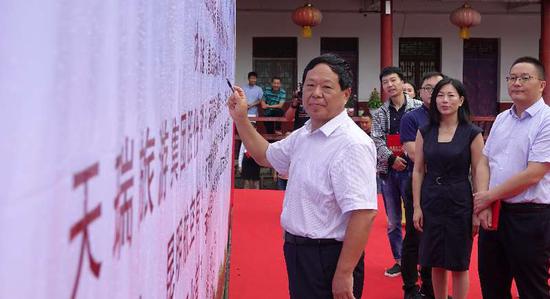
x=446 y=180
x=297 y=240
x=527 y=207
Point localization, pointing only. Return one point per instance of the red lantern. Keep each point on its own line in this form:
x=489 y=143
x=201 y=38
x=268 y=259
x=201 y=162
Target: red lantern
x=465 y=17
x=307 y=16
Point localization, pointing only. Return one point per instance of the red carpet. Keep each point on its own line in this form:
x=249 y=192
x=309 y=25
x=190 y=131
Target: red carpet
x=257 y=268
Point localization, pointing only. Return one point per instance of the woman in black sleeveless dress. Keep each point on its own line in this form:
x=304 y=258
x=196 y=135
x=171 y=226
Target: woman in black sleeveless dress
x=446 y=150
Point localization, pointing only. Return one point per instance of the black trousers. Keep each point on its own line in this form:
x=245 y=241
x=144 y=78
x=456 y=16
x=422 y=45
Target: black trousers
x=409 y=255
x=519 y=249
x=311 y=267
x=271 y=126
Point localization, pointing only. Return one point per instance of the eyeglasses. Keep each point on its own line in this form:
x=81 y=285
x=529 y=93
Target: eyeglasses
x=427 y=89
x=522 y=79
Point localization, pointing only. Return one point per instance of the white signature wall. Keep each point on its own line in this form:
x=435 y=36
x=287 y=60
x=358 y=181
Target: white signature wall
x=114 y=147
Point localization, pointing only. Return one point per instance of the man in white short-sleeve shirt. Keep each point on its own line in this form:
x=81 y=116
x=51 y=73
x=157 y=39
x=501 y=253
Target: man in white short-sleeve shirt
x=330 y=201
x=517 y=154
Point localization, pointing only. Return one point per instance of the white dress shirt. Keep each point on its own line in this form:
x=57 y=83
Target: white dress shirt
x=332 y=171
x=515 y=141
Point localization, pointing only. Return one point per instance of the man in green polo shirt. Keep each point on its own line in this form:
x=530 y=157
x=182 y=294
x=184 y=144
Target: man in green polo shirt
x=272 y=104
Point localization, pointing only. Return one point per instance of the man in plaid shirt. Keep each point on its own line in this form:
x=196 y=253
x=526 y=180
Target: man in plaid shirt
x=391 y=165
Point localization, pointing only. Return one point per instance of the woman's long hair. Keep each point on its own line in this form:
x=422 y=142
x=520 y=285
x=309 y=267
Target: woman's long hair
x=463 y=111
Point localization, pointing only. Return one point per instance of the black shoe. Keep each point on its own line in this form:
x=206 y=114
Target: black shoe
x=394 y=271
x=413 y=294
x=426 y=294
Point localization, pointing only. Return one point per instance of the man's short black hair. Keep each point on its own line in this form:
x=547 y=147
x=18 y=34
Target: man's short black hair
x=252 y=74
x=337 y=64
x=391 y=70
x=276 y=78
x=367 y=113
x=429 y=75
x=538 y=65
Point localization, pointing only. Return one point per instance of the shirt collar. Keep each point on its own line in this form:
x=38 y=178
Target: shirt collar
x=331 y=126
x=536 y=107
x=531 y=111
x=407 y=99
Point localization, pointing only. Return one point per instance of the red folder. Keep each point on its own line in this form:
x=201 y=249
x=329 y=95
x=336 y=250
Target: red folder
x=394 y=144
x=495 y=208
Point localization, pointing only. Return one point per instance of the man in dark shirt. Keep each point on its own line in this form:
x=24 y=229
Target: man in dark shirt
x=365 y=122
x=410 y=123
x=296 y=112
x=391 y=165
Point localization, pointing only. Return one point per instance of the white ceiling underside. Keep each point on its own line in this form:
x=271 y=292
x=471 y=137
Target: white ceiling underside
x=399 y=6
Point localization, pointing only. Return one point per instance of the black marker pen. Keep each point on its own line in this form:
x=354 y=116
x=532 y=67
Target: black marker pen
x=230 y=86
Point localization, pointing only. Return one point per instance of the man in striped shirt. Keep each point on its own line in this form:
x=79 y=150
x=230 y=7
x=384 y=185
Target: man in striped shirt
x=272 y=103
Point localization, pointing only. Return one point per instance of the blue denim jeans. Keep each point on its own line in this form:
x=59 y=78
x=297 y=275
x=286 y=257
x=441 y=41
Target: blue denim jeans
x=394 y=186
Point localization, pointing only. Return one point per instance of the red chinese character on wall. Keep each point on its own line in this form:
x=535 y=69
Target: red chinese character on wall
x=179 y=249
x=202 y=121
x=170 y=283
x=175 y=154
x=81 y=227
x=183 y=141
x=146 y=175
x=190 y=135
x=163 y=158
x=194 y=289
x=123 y=202
x=198 y=200
x=194 y=211
x=186 y=238
x=196 y=133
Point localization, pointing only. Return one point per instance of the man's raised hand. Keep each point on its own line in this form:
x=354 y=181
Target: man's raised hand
x=237 y=104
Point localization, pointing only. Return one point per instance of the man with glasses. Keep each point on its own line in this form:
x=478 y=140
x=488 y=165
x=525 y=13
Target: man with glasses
x=518 y=155
x=391 y=164
x=410 y=123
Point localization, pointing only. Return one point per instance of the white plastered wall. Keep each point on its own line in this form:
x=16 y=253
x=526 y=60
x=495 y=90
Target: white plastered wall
x=518 y=34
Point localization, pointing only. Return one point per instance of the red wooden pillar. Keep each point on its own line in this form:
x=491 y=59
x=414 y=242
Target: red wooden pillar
x=544 y=50
x=386 y=37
